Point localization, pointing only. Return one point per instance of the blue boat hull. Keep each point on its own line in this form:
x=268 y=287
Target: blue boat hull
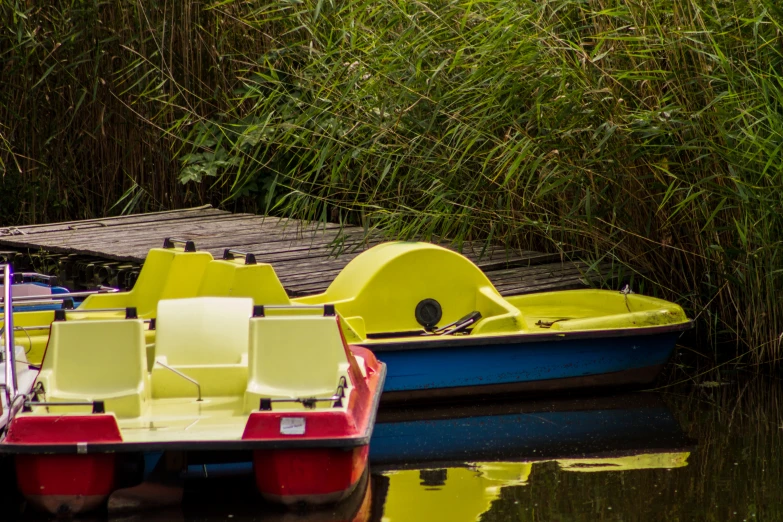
x=447 y=369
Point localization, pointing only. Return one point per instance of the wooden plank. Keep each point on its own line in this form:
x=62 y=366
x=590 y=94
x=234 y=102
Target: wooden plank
x=547 y=270
x=166 y=215
x=134 y=246
x=574 y=283
x=307 y=256
x=161 y=229
x=565 y=279
x=540 y=276
x=225 y=233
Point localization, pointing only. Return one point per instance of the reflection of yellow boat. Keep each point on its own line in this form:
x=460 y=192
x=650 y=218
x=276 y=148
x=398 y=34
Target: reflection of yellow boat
x=448 y=495
x=629 y=462
x=463 y=494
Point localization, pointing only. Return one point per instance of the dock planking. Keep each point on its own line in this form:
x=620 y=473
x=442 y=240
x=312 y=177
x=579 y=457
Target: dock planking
x=307 y=256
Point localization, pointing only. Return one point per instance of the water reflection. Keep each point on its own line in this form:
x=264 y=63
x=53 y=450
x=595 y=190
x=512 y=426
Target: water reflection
x=610 y=459
x=464 y=494
x=528 y=430
x=465 y=457
x=455 y=463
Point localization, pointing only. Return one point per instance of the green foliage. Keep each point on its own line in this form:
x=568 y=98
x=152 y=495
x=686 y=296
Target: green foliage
x=648 y=133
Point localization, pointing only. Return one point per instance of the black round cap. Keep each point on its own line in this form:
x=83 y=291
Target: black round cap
x=428 y=313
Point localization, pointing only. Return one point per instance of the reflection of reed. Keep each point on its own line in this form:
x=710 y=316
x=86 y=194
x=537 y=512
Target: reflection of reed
x=735 y=468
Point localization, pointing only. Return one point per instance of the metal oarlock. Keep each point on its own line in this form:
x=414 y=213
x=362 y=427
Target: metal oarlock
x=250 y=259
x=169 y=242
x=97 y=406
x=31 y=277
x=265 y=404
x=260 y=310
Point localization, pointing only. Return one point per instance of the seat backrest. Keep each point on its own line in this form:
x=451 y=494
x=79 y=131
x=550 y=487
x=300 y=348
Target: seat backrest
x=233 y=278
x=167 y=273
x=203 y=330
x=297 y=355
x=96 y=357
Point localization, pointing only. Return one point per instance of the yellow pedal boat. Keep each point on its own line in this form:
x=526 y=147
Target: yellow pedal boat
x=431 y=315
x=443 y=330
x=227 y=376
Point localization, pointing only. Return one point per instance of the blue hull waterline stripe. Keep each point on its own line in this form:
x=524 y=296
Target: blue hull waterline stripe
x=453 y=366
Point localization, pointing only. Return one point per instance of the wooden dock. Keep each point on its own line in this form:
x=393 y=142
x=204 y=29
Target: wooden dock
x=306 y=256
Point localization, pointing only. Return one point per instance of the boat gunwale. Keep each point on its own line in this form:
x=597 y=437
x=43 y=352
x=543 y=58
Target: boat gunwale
x=466 y=341
x=92 y=448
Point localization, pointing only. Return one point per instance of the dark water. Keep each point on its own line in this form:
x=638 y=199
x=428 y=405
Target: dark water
x=706 y=451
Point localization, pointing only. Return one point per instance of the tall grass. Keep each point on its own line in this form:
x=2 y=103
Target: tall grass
x=85 y=92
x=646 y=132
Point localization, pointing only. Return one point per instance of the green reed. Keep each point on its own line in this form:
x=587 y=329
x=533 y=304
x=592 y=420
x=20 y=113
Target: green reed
x=645 y=133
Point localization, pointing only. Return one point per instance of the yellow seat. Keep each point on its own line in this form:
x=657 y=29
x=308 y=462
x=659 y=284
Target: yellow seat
x=206 y=338
x=294 y=356
x=233 y=278
x=97 y=361
x=379 y=290
x=167 y=273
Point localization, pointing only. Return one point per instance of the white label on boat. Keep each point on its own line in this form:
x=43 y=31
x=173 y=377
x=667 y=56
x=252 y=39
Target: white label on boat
x=292 y=426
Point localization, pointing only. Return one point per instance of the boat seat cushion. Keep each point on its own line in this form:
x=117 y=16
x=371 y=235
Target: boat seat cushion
x=97 y=360
x=294 y=357
x=206 y=338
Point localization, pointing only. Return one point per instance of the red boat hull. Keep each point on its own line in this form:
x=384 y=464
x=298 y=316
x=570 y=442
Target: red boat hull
x=66 y=484
x=312 y=476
